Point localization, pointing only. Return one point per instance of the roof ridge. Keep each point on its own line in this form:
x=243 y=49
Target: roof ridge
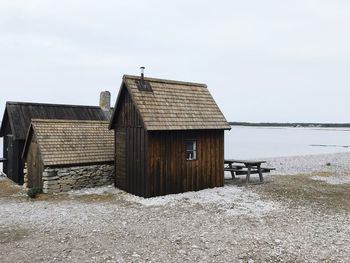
x=50 y=104
x=168 y=81
x=68 y=121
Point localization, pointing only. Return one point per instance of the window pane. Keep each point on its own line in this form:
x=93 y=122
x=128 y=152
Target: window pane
x=189 y=145
x=191 y=149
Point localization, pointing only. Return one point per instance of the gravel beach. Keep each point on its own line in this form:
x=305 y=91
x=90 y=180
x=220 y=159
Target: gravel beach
x=301 y=213
x=336 y=163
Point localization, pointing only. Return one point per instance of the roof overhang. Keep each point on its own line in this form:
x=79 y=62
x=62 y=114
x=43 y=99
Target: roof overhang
x=4 y=120
x=27 y=141
x=116 y=106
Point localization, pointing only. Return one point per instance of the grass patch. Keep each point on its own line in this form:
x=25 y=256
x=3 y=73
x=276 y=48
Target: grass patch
x=8 y=188
x=322 y=174
x=303 y=190
x=95 y=197
x=34 y=192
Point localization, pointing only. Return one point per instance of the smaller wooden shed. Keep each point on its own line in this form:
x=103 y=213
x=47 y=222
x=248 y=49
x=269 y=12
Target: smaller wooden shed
x=61 y=155
x=169 y=137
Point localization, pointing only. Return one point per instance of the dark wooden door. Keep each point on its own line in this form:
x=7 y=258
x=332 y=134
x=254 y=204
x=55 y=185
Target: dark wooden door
x=9 y=153
x=4 y=165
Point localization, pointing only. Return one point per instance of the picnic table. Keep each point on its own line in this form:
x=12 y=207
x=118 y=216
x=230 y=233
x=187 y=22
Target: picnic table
x=246 y=167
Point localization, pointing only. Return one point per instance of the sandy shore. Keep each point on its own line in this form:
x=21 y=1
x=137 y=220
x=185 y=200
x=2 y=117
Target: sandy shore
x=298 y=215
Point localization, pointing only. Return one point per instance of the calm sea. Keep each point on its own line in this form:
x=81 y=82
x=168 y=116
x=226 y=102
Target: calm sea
x=260 y=142
x=254 y=142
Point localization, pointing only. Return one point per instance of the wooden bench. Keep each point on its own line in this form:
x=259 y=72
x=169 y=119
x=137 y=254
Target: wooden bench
x=234 y=167
x=267 y=169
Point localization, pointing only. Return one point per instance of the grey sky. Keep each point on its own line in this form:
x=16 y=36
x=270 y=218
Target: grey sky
x=262 y=60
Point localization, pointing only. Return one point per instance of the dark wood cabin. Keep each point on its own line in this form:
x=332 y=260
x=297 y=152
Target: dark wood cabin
x=66 y=144
x=16 y=122
x=169 y=137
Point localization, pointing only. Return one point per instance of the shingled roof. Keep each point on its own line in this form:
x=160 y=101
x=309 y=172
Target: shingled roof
x=19 y=115
x=173 y=105
x=67 y=142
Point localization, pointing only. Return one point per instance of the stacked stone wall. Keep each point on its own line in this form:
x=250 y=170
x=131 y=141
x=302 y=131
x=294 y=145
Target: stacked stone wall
x=72 y=178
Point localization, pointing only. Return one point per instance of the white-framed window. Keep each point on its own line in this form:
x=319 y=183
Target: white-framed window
x=191 y=150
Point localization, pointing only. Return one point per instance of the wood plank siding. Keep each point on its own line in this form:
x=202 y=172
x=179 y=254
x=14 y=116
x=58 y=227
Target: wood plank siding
x=170 y=172
x=136 y=164
x=13 y=166
x=35 y=165
x=7 y=131
x=120 y=158
x=130 y=150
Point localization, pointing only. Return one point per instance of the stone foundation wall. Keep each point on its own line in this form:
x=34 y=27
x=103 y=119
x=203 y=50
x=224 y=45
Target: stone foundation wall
x=71 y=178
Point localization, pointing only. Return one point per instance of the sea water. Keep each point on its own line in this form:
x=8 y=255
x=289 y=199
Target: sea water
x=243 y=142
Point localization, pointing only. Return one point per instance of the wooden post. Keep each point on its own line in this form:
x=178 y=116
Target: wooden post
x=232 y=172
x=260 y=173
x=248 y=174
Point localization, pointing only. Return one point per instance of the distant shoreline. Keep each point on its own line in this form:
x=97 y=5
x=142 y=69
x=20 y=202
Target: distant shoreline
x=292 y=124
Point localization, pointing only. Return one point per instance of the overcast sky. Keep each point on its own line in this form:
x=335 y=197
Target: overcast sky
x=265 y=60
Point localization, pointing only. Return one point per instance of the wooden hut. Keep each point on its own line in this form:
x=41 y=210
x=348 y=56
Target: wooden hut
x=169 y=137
x=16 y=121
x=61 y=155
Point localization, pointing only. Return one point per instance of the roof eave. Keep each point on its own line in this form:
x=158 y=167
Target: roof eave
x=110 y=126
x=27 y=141
x=189 y=128
x=135 y=104
x=2 y=128
x=70 y=164
x=9 y=119
x=116 y=108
